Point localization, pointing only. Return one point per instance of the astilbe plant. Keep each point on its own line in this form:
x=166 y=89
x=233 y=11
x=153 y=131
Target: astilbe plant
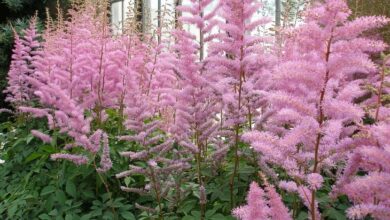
x=262 y=204
x=193 y=123
x=155 y=152
x=238 y=64
x=312 y=117
x=26 y=50
x=75 y=80
x=369 y=192
x=180 y=109
x=147 y=102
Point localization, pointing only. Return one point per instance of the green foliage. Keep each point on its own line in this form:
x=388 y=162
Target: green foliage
x=15 y=5
x=34 y=187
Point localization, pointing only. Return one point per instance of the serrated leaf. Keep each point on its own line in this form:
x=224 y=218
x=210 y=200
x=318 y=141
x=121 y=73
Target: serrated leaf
x=29 y=139
x=127 y=181
x=188 y=206
x=53 y=212
x=85 y=217
x=44 y=217
x=47 y=190
x=33 y=156
x=335 y=214
x=49 y=149
x=221 y=217
x=68 y=217
x=196 y=214
x=187 y=217
x=61 y=197
x=302 y=216
x=210 y=213
x=88 y=194
x=127 y=215
x=12 y=210
x=71 y=189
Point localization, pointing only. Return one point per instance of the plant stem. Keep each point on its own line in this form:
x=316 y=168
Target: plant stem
x=320 y=119
x=380 y=91
x=157 y=191
x=236 y=156
x=199 y=172
x=106 y=187
x=202 y=206
x=237 y=129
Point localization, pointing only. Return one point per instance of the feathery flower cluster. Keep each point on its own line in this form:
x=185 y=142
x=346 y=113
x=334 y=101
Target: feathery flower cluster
x=69 y=76
x=370 y=193
x=154 y=150
x=237 y=66
x=313 y=116
x=26 y=50
x=262 y=205
x=44 y=137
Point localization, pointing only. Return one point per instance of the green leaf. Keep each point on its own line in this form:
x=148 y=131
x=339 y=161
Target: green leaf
x=44 y=217
x=47 y=190
x=335 y=214
x=29 y=139
x=221 y=217
x=49 y=203
x=188 y=217
x=48 y=149
x=210 y=213
x=127 y=181
x=85 y=217
x=61 y=197
x=127 y=215
x=12 y=210
x=53 y=212
x=33 y=156
x=108 y=215
x=88 y=194
x=188 y=206
x=196 y=214
x=68 y=217
x=302 y=216
x=71 y=189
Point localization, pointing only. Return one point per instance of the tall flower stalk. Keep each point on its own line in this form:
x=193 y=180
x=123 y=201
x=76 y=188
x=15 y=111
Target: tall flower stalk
x=314 y=118
x=26 y=51
x=369 y=192
x=237 y=64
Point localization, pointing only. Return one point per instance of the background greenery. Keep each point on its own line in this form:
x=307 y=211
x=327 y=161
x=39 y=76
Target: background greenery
x=372 y=7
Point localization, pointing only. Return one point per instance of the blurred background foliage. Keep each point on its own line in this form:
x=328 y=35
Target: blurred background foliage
x=372 y=7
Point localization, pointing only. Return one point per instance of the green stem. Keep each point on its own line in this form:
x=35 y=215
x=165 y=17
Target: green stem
x=157 y=191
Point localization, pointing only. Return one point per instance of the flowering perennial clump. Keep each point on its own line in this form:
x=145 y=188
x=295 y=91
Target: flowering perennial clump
x=187 y=104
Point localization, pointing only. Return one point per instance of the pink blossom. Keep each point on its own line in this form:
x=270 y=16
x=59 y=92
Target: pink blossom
x=44 y=137
x=76 y=159
x=315 y=181
x=256 y=207
x=262 y=205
